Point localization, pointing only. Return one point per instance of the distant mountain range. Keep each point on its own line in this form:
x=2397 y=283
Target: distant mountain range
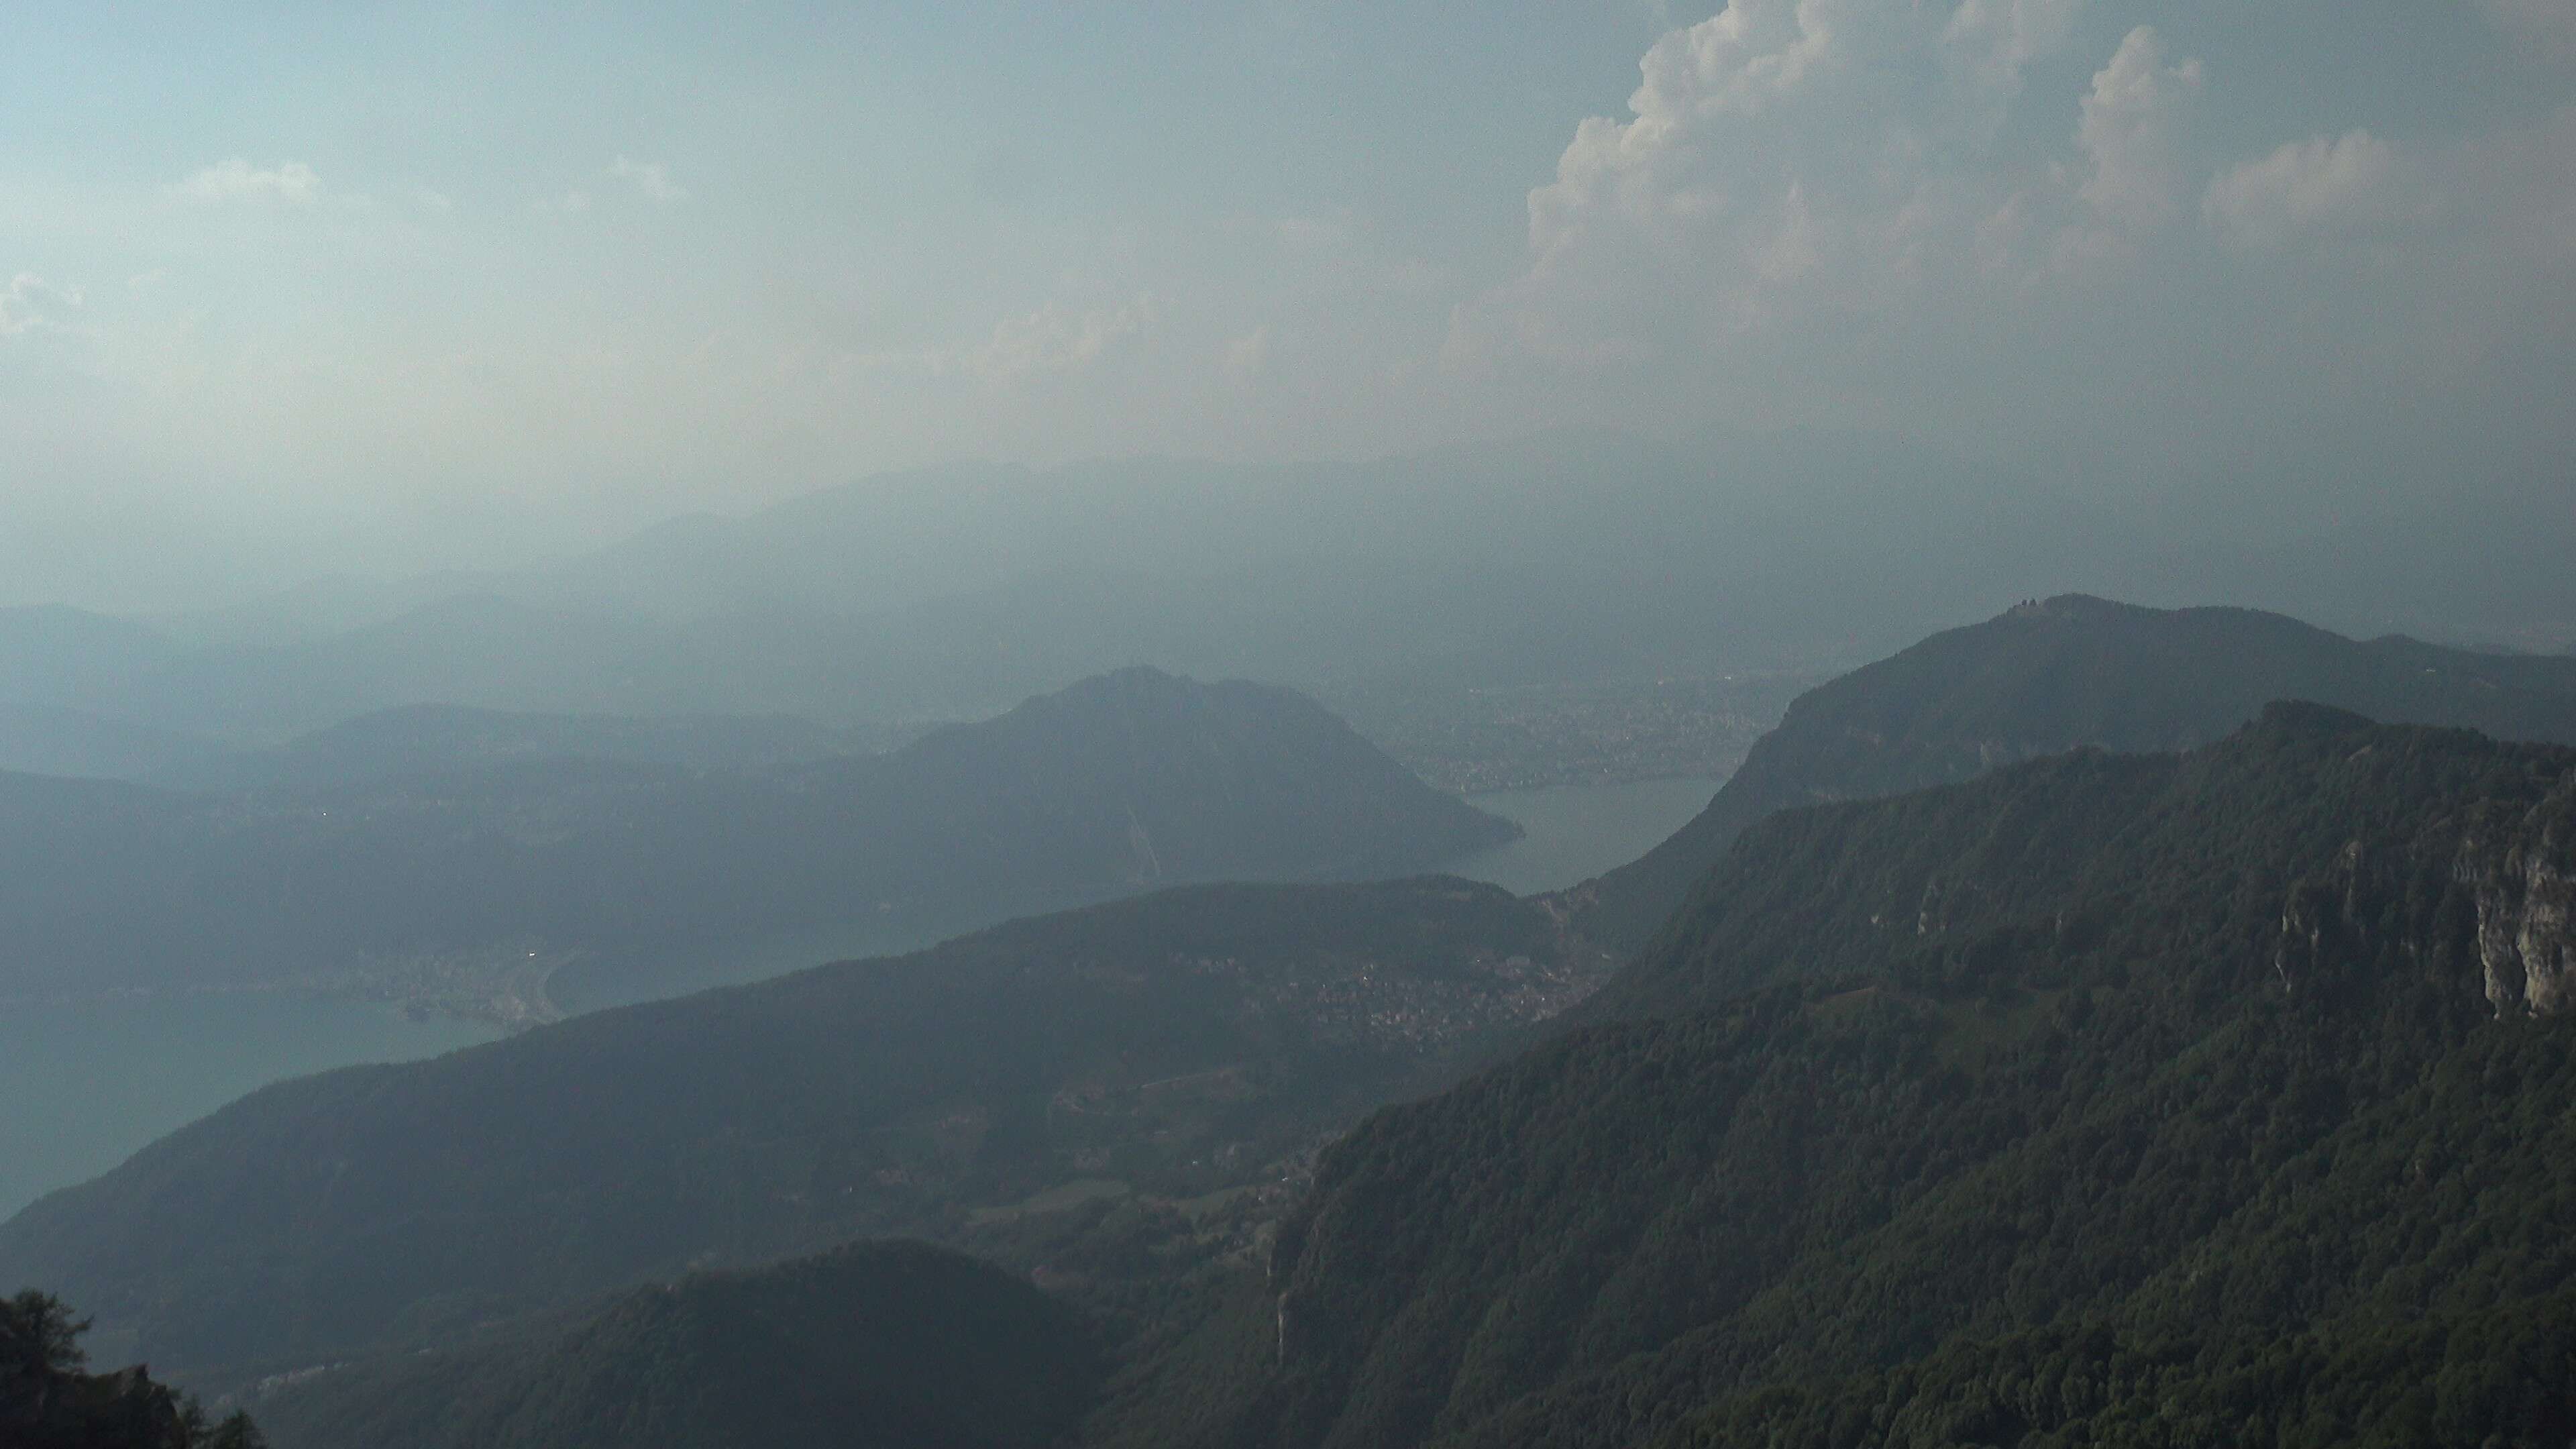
x=1665 y=543
x=2056 y=675
x=53 y=739
x=949 y=593
x=435 y=859
x=878 y=1343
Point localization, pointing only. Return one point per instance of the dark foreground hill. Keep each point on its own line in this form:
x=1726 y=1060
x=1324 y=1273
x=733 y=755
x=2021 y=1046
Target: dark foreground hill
x=879 y=1344
x=1170 y=1049
x=2214 y=1099
x=468 y=889
x=2057 y=675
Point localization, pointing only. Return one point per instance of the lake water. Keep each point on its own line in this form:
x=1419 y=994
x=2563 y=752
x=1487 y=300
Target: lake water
x=83 y=1085
x=1578 y=831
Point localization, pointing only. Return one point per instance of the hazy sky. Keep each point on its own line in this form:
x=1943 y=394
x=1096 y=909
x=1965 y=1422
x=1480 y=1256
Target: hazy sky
x=289 y=286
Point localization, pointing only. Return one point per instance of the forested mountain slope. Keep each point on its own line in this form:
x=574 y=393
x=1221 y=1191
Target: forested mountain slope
x=1165 y=1048
x=466 y=889
x=893 y=1344
x=2211 y=1099
x=2063 y=673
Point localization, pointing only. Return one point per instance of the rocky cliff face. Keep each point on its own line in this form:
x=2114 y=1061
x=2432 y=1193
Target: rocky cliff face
x=2326 y=922
x=2503 y=895
x=2526 y=916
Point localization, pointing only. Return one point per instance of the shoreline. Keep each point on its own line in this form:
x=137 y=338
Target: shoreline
x=514 y=1003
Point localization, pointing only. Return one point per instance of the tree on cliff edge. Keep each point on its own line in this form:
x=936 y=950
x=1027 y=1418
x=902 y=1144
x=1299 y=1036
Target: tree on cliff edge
x=48 y=1401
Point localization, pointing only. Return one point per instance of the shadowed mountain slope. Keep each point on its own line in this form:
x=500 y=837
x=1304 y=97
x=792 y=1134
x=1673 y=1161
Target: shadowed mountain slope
x=2207 y=1099
x=2056 y=675
x=874 y=1344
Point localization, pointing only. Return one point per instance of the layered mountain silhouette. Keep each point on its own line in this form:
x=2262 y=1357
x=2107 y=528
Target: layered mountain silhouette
x=947 y=593
x=1165 y=1047
x=52 y=739
x=480 y=879
x=2138 y=1081
x=2057 y=675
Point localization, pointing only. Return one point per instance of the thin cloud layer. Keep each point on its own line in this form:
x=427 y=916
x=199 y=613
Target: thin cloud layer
x=2548 y=25
x=31 y=304
x=2308 y=187
x=650 y=178
x=1054 y=339
x=236 y=179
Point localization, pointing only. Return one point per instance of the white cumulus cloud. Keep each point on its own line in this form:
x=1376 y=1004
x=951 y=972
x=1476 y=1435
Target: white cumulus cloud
x=2133 y=132
x=2306 y=187
x=1957 y=215
x=1987 y=45
x=1789 y=169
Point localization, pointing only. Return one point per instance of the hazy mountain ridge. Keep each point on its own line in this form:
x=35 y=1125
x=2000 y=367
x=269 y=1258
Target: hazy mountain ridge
x=51 y=739
x=472 y=886
x=877 y=1343
x=439 y=739
x=944 y=593
x=2059 y=674
x=483 y=650
x=2142 y=1055
x=54 y=653
x=1176 y=1046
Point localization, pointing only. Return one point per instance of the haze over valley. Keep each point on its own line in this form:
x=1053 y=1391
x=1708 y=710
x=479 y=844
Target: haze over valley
x=1792 y=723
